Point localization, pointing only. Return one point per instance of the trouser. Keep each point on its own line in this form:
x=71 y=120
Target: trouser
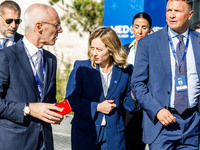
x=41 y=145
x=183 y=134
x=102 y=144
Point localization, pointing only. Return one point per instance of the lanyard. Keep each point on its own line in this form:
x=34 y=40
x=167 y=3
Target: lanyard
x=134 y=46
x=39 y=84
x=174 y=52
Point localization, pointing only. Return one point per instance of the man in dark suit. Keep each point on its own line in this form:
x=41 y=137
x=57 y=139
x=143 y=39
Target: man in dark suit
x=28 y=84
x=166 y=81
x=9 y=22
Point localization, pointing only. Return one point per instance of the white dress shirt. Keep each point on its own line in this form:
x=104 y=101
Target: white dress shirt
x=131 y=55
x=32 y=49
x=105 y=79
x=9 y=43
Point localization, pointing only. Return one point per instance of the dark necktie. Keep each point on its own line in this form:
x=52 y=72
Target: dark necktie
x=181 y=97
x=4 y=42
x=39 y=67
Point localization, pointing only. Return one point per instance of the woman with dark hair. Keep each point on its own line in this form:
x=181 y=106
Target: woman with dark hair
x=141 y=26
x=97 y=90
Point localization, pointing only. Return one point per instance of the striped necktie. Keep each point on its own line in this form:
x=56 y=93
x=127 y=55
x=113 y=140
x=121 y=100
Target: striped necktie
x=39 y=67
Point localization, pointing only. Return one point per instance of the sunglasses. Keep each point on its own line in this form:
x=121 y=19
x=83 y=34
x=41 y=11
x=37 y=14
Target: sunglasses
x=9 y=21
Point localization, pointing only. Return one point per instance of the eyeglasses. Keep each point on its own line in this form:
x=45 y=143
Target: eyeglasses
x=57 y=26
x=9 y=21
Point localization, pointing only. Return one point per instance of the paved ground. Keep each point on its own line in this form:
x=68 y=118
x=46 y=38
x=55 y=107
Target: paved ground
x=62 y=135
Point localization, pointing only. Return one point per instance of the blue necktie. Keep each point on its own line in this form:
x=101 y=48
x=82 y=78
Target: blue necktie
x=4 y=42
x=39 y=67
x=181 y=97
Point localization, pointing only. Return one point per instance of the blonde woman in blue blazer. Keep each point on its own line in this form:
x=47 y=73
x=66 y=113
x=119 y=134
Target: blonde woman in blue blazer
x=97 y=90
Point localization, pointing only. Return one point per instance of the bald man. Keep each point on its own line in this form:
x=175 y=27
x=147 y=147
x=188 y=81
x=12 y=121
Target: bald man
x=28 y=84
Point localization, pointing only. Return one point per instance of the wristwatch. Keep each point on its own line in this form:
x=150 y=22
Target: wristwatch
x=26 y=109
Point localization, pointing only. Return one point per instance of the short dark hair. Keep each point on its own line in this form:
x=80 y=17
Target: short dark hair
x=10 y=5
x=197 y=25
x=189 y=2
x=143 y=15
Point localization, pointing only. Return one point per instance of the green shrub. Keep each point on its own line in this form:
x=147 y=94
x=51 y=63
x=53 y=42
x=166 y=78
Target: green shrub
x=61 y=80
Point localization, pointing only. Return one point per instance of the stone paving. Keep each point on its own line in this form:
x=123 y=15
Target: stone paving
x=62 y=135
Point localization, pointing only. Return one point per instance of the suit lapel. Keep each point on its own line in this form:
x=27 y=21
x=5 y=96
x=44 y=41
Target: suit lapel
x=23 y=60
x=196 y=49
x=115 y=79
x=96 y=81
x=48 y=67
x=164 y=50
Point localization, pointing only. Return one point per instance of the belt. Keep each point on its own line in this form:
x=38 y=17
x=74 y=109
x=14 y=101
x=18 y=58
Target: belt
x=188 y=111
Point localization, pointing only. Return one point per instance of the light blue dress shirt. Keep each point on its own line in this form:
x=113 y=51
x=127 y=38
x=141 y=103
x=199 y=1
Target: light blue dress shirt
x=192 y=77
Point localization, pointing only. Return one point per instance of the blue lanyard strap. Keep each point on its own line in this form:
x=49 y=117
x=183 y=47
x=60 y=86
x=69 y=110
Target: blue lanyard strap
x=39 y=84
x=174 y=52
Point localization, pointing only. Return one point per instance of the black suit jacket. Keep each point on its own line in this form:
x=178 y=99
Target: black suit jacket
x=18 y=87
x=126 y=48
x=17 y=37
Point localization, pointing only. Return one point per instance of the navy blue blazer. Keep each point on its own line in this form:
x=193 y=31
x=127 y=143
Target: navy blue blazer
x=85 y=92
x=18 y=87
x=17 y=37
x=152 y=77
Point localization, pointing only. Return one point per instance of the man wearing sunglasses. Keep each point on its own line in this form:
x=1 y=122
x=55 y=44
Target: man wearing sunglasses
x=9 y=22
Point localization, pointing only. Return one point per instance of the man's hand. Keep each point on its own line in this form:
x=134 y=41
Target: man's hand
x=165 y=117
x=46 y=112
x=106 y=106
x=133 y=97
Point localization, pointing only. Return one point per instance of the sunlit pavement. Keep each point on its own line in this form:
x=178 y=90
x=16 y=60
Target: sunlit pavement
x=62 y=135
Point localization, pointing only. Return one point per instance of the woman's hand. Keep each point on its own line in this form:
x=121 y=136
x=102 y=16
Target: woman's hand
x=106 y=106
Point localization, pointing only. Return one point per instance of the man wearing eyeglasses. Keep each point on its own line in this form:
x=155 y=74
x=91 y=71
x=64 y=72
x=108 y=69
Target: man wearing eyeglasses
x=9 y=22
x=28 y=84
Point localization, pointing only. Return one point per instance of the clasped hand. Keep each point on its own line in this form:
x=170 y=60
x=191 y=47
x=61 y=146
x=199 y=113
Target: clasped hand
x=106 y=106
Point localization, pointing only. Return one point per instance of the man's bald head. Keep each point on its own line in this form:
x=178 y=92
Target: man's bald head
x=38 y=13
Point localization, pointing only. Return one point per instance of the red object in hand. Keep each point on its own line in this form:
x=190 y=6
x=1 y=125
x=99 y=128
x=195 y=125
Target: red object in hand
x=66 y=108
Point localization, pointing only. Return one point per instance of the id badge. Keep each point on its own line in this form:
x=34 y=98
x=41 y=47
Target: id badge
x=180 y=83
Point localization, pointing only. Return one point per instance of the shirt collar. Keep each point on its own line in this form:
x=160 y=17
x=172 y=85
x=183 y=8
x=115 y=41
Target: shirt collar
x=30 y=47
x=10 y=39
x=101 y=71
x=174 y=34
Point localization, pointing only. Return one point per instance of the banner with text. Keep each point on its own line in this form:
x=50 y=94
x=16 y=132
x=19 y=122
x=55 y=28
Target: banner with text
x=118 y=14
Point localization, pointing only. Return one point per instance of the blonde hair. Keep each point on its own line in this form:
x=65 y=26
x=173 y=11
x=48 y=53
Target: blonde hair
x=112 y=42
